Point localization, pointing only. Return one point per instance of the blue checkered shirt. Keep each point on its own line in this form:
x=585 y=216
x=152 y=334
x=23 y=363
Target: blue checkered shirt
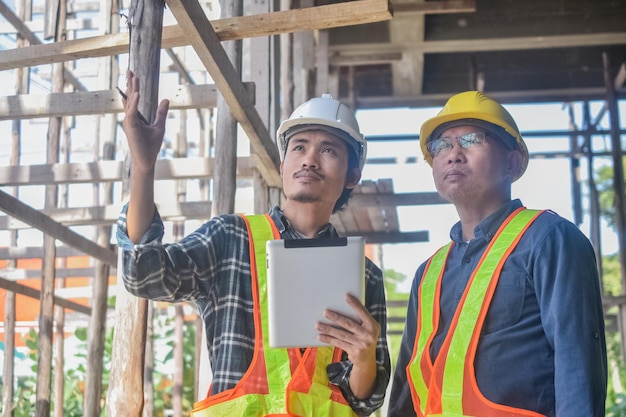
x=211 y=267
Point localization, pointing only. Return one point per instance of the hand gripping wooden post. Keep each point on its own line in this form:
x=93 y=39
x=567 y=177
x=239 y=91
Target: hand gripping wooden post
x=125 y=396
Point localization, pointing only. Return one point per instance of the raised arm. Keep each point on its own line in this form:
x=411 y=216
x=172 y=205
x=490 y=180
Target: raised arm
x=144 y=142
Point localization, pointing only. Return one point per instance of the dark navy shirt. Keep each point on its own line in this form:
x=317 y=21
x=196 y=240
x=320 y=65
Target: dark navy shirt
x=542 y=346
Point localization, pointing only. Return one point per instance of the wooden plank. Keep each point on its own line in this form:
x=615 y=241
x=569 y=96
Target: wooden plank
x=209 y=49
x=391 y=237
x=436 y=7
x=320 y=17
x=15 y=274
x=107 y=215
x=341 y=51
x=110 y=171
x=35 y=218
x=36 y=252
x=397 y=199
x=27 y=291
x=390 y=214
x=30 y=106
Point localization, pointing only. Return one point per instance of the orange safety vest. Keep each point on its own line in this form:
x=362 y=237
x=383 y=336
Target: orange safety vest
x=448 y=387
x=279 y=382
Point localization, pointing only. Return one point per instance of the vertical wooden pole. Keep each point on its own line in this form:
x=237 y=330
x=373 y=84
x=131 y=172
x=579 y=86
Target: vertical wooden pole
x=260 y=58
x=105 y=148
x=59 y=312
x=594 y=199
x=148 y=367
x=125 y=395
x=225 y=173
x=8 y=375
x=618 y=187
x=286 y=68
x=46 y=312
x=180 y=151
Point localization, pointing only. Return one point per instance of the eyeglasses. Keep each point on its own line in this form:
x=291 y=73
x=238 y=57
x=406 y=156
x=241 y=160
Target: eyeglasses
x=444 y=144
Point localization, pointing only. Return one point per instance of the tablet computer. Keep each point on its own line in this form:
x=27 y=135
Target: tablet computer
x=307 y=276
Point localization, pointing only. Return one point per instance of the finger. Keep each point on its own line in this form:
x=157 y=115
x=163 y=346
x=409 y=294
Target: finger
x=161 y=113
x=359 y=308
x=334 y=336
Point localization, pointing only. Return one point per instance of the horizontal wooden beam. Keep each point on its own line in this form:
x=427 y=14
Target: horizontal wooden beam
x=436 y=7
x=111 y=171
x=342 y=52
x=15 y=274
x=38 y=220
x=296 y=20
x=30 y=106
x=394 y=200
x=392 y=237
x=36 y=252
x=27 y=291
x=108 y=215
x=506 y=97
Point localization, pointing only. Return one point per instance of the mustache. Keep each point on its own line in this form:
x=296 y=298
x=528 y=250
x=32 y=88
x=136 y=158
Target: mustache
x=309 y=173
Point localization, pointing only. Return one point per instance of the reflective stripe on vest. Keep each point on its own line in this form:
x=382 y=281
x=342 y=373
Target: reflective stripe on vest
x=268 y=387
x=448 y=387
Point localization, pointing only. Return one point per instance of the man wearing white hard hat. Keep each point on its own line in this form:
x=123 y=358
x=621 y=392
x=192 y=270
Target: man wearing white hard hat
x=322 y=153
x=506 y=320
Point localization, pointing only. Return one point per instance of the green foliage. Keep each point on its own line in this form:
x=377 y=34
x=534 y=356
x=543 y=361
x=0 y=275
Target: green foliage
x=75 y=372
x=395 y=315
x=612 y=286
x=606 y=194
x=617 y=407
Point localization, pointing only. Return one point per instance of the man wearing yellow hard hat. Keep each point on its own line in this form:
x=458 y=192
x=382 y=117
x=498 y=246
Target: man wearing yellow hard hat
x=505 y=320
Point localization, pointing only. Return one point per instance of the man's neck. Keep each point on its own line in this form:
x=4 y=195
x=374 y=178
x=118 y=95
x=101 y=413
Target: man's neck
x=307 y=218
x=472 y=215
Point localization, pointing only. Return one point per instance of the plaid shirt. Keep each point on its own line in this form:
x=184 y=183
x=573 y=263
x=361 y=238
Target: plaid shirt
x=211 y=267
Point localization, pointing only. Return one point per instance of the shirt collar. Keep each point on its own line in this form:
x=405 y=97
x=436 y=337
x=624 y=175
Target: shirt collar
x=489 y=225
x=288 y=232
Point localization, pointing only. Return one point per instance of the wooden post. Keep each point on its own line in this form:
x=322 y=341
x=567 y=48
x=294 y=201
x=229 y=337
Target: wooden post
x=8 y=375
x=148 y=367
x=46 y=310
x=286 y=68
x=618 y=187
x=97 y=321
x=225 y=174
x=180 y=151
x=125 y=395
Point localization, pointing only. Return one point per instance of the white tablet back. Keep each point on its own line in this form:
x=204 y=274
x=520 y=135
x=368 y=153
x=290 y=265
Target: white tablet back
x=306 y=276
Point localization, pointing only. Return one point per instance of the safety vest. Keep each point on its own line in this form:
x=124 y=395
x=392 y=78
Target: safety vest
x=448 y=387
x=278 y=382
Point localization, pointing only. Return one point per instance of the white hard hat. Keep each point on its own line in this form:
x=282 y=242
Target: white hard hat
x=324 y=113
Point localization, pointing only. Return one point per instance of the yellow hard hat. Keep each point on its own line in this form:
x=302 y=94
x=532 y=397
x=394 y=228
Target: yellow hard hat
x=473 y=108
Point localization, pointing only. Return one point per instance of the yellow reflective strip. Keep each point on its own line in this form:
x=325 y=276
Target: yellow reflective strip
x=249 y=405
x=319 y=385
x=453 y=375
x=311 y=406
x=276 y=360
x=426 y=304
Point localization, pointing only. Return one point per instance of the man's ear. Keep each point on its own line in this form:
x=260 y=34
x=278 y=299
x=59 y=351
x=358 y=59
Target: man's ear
x=353 y=177
x=514 y=163
x=280 y=168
